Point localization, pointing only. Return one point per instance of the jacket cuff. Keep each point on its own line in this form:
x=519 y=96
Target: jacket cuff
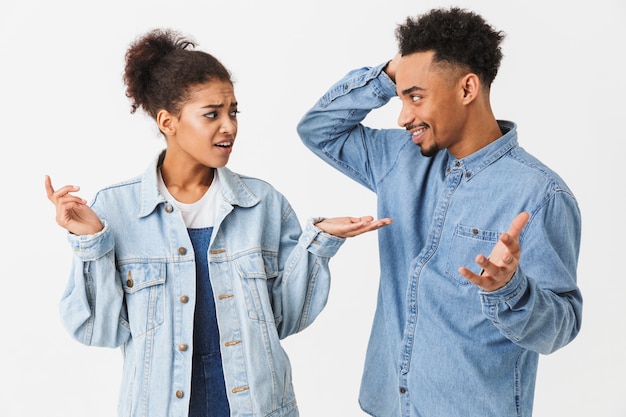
x=92 y=247
x=318 y=242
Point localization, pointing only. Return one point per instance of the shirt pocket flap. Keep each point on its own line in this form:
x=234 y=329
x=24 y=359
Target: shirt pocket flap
x=137 y=276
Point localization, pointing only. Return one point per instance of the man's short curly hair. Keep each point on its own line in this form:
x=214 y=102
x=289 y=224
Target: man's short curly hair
x=458 y=37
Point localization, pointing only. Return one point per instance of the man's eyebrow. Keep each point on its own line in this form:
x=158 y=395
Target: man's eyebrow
x=411 y=90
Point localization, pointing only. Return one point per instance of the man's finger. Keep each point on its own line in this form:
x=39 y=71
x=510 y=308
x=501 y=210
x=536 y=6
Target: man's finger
x=518 y=223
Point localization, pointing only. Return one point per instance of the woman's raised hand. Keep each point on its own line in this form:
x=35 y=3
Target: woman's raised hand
x=72 y=212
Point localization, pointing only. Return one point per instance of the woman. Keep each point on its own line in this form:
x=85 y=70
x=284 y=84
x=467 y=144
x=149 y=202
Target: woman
x=196 y=272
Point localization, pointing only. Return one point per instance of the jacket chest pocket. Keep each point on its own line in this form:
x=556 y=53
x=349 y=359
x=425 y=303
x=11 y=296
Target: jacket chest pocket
x=258 y=273
x=144 y=288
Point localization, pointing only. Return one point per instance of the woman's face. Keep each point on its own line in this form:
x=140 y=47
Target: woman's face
x=206 y=128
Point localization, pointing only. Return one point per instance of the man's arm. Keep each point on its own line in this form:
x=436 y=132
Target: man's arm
x=333 y=127
x=530 y=293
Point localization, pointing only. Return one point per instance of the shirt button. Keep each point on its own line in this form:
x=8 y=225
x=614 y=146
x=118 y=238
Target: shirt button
x=458 y=164
x=169 y=208
x=179 y=394
x=402 y=390
x=474 y=231
x=184 y=299
x=467 y=175
x=129 y=282
x=182 y=347
x=182 y=250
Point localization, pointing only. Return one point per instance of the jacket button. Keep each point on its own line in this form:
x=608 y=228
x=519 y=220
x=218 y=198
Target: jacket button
x=169 y=208
x=182 y=347
x=179 y=394
x=129 y=283
x=182 y=250
x=402 y=390
x=184 y=299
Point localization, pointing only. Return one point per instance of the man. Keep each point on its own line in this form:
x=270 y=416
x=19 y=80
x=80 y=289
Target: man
x=478 y=270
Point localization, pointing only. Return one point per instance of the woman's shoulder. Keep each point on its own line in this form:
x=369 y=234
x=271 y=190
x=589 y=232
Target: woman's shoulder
x=248 y=186
x=121 y=186
x=229 y=177
x=118 y=191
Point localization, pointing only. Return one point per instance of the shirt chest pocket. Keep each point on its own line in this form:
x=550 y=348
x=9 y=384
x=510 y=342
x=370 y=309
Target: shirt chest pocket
x=467 y=242
x=144 y=288
x=258 y=273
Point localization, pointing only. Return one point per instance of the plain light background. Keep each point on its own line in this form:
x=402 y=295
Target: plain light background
x=64 y=113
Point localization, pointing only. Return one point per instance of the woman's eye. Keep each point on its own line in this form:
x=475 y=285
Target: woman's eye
x=234 y=113
x=211 y=115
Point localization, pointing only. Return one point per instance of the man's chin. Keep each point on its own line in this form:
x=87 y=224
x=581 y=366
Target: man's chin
x=428 y=152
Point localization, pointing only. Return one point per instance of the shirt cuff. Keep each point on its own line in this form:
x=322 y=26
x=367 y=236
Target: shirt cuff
x=510 y=293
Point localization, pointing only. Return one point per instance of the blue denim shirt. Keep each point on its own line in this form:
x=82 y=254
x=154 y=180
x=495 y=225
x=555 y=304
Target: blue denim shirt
x=132 y=285
x=439 y=346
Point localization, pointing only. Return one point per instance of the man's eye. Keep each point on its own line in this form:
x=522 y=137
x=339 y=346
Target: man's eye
x=415 y=99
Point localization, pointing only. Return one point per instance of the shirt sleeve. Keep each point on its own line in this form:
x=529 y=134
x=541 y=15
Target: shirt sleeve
x=540 y=309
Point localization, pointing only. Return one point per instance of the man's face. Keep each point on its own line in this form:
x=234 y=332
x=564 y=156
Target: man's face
x=432 y=103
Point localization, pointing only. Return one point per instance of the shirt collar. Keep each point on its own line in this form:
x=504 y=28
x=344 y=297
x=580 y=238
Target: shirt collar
x=479 y=160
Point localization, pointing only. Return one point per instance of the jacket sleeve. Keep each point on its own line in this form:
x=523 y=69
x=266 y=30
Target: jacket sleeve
x=540 y=309
x=92 y=306
x=333 y=127
x=301 y=289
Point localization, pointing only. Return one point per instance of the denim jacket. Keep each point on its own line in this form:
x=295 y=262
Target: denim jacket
x=439 y=346
x=132 y=285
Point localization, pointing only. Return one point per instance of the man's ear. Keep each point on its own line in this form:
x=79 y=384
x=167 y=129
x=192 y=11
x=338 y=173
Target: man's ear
x=470 y=84
x=166 y=122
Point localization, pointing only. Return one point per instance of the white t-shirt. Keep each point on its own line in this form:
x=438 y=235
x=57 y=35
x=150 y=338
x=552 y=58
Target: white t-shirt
x=200 y=213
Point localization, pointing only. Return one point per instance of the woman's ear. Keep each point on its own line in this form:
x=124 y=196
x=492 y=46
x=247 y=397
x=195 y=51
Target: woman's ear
x=166 y=122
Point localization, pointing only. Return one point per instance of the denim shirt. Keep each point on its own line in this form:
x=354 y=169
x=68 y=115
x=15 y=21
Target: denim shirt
x=132 y=285
x=440 y=346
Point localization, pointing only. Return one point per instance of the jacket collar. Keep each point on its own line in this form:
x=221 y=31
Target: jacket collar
x=234 y=190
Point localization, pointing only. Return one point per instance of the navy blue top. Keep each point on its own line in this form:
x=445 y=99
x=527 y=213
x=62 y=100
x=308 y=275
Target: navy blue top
x=208 y=390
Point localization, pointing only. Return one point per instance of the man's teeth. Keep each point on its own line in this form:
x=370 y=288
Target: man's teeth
x=418 y=131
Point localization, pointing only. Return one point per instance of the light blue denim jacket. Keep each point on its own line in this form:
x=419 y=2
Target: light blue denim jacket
x=441 y=347
x=133 y=285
